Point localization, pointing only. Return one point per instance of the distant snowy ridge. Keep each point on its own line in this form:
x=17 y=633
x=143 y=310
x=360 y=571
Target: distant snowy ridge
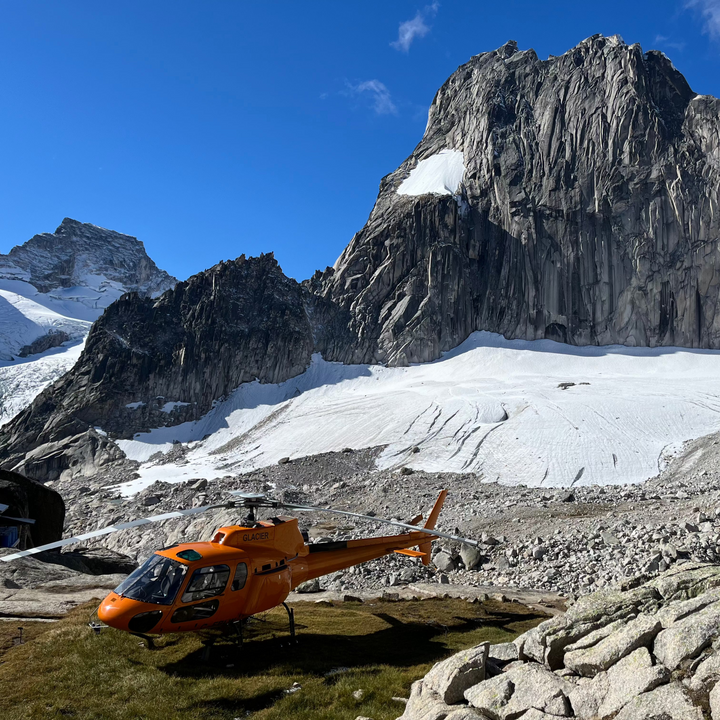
x=53 y=288
x=519 y=412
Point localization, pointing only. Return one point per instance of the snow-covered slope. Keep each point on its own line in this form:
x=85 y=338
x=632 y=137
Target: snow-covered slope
x=26 y=315
x=52 y=289
x=21 y=381
x=537 y=413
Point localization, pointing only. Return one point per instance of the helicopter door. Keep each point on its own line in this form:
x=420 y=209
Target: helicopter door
x=205 y=583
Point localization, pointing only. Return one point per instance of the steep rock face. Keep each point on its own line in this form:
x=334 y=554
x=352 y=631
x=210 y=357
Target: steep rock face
x=149 y=363
x=587 y=212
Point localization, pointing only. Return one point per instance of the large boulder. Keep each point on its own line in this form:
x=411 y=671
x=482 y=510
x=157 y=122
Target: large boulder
x=668 y=702
x=452 y=677
x=610 y=691
x=525 y=687
x=637 y=633
x=688 y=637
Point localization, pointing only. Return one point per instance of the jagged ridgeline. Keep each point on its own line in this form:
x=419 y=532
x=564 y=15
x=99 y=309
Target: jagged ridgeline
x=573 y=198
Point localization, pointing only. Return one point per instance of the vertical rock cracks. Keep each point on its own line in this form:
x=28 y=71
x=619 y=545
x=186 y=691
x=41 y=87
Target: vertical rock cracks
x=587 y=214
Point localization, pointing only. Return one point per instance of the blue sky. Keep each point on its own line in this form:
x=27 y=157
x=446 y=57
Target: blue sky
x=211 y=129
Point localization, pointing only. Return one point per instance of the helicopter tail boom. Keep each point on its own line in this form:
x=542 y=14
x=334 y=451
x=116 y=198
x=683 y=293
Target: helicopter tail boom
x=326 y=558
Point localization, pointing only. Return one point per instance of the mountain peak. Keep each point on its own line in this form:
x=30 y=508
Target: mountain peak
x=83 y=255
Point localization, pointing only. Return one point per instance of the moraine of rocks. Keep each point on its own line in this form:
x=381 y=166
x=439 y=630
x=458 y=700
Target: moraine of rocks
x=647 y=652
x=552 y=541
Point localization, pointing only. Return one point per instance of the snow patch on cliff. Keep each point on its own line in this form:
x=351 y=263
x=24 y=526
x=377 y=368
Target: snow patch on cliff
x=440 y=174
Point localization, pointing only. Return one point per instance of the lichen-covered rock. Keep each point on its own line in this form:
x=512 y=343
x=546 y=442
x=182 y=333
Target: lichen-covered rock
x=452 y=677
x=688 y=637
x=622 y=663
x=425 y=704
x=715 y=703
x=668 y=702
x=637 y=633
x=684 y=582
x=706 y=675
x=610 y=691
x=503 y=652
x=593 y=613
x=520 y=689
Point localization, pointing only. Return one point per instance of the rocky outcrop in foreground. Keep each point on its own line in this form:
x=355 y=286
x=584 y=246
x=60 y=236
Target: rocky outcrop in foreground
x=637 y=653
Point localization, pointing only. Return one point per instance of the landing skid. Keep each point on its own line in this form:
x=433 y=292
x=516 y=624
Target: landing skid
x=150 y=641
x=291 y=620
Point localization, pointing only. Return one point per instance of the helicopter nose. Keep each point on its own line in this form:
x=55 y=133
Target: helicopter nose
x=129 y=615
x=111 y=609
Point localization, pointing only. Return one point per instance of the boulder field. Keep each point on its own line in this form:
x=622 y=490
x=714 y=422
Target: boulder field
x=638 y=652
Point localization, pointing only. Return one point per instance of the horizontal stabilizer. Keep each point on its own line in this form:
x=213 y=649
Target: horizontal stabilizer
x=410 y=553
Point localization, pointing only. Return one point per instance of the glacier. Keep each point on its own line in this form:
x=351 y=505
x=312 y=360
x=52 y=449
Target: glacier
x=537 y=413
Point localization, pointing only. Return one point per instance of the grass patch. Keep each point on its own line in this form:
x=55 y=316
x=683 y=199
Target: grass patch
x=66 y=671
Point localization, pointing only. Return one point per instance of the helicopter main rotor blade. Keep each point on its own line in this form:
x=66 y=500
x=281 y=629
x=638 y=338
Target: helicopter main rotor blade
x=22 y=521
x=114 y=528
x=396 y=523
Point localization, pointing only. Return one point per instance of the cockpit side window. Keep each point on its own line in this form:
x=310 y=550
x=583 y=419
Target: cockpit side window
x=238 y=582
x=206 y=582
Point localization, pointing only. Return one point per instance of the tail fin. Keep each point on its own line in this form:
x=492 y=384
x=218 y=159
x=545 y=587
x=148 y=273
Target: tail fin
x=430 y=524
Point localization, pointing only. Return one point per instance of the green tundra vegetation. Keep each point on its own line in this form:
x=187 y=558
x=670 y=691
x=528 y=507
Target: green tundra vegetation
x=64 y=670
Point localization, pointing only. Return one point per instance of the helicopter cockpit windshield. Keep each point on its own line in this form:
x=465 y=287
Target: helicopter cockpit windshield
x=157 y=581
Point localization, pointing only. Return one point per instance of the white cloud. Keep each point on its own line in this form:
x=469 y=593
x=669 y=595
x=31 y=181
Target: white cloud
x=415 y=28
x=710 y=11
x=665 y=41
x=379 y=94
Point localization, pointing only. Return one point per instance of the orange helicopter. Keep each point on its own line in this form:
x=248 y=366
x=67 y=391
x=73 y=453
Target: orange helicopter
x=243 y=570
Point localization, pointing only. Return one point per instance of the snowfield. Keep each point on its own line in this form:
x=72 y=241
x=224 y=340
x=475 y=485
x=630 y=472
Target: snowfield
x=440 y=174
x=27 y=314
x=517 y=412
x=21 y=381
